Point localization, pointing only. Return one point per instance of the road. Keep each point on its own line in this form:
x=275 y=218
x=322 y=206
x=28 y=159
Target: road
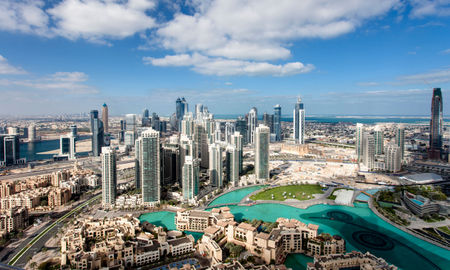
x=29 y=248
x=92 y=165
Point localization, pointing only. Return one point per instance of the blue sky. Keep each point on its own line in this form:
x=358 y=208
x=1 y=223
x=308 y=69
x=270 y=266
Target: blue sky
x=361 y=57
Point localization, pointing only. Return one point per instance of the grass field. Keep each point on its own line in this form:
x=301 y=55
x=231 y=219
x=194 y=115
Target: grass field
x=301 y=192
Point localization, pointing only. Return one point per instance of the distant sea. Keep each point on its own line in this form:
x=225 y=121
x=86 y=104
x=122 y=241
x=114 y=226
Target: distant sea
x=352 y=119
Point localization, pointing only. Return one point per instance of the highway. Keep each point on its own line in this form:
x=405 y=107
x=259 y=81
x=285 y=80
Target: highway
x=29 y=248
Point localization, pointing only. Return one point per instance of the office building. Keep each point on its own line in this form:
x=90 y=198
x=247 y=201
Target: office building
x=171 y=170
x=252 y=123
x=217 y=133
x=97 y=133
x=105 y=117
x=299 y=122
x=32 y=133
x=268 y=121
x=155 y=122
x=359 y=137
x=436 y=125
x=131 y=129
x=277 y=122
x=400 y=139
x=215 y=165
x=241 y=127
x=198 y=111
x=237 y=142
x=67 y=146
x=109 y=176
x=146 y=118
x=10 y=149
x=262 y=136
x=232 y=165
x=149 y=166
x=13 y=131
x=393 y=158
x=187 y=125
x=379 y=140
x=190 y=179
x=369 y=151
x=229 y=131
x=74 y=130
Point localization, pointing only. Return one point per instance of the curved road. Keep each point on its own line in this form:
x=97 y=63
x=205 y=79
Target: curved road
x=29 y=248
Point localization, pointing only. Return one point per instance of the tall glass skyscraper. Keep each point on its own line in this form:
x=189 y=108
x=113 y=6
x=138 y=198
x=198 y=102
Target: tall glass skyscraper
x=215 y=165
x=299 y=122
x=436 y=123
x=262 y=139
x=149 y=166
x=252 y=123
x=109 y=176
x=97 y=133
x=190 y=178
x=277 y=122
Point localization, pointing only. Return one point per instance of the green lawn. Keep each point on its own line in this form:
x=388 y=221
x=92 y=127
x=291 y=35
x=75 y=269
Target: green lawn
x=296 y=190
x=445 y=229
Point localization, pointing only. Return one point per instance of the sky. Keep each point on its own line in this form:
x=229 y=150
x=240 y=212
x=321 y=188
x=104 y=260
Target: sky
x=342 y=57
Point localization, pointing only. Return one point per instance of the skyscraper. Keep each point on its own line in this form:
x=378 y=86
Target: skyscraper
x=145 y=118
x=155 y=122
x=268 y=121
x=436 y=124
x=232 y=165
x=32 y=133
x=215 y=165
x=149 y=166
x=379 y=140
x=190 y=178
x=105 y=117
x=97 y=133
x=252 y=123
x=400 y=139
x=241 y=127
x=11 y=149
x=198 y=111
x=359 y=142
x=262 y=138
x=67 y=146
x=299 y=122
x=229 y=131
x=109 y=176
x=368 y=151
x=277 y=122
x=130 y=125
x=237 y=141
x=393 y=158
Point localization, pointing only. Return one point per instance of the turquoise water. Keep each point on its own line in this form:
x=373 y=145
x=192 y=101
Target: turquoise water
x=360 y=227
x=417 y=202
x=234 y=196
x=362 y=197
x=166 y=219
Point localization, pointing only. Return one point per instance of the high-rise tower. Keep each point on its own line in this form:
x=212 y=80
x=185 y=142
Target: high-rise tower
x=105 y=117
x=299 y=122
x=215 y=165
x=400 y=139
x=97 y=133
x=190 y=178
x=262 y=139
x=359 y=138
x=252 y=123
x=277 y=122
x=149 y=166
x=109 y=176
x=436 y=124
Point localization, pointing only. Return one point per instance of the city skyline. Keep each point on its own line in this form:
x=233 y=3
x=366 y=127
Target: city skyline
x=363 y=58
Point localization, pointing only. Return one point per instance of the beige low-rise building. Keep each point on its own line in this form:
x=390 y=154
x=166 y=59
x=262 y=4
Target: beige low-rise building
x=13 y=219
x=350 y=260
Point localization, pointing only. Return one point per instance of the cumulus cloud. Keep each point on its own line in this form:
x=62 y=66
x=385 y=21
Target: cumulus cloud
x=227 y=67
x=6 y=68
x=25 y=16
x=99 y=19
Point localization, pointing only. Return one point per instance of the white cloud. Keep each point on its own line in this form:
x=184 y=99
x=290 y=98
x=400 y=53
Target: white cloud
x=73 y=83
x=98 y=19
x=6 y=68
x=422 y=8
x=261 y=30
x=447 y=51
x=228 y=67
x=437 y=76
x=25 y=16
